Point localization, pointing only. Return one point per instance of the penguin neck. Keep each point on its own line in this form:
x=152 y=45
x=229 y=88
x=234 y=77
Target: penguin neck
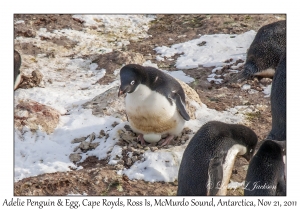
x=235 y=150
x=141 y=91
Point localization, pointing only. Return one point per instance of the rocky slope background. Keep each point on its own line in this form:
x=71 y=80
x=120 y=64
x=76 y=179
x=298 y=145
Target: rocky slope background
x=67 y=103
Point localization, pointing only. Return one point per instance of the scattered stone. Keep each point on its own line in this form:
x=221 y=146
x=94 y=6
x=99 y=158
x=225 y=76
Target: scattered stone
x=129 y=161
x=119 y=167
x=202 y=43
x=32 y=81
x=115 y=124
x=127 y=137
x=228 y=61
x=235 y=85
x=92 y=137
x=76 y=149
x=153 y=149
x=84 y=145
x=187 y=130
x=134 y=158
x=22 y=30
x=101 y=134
x=259 y=89
x=78 y=140
x=136 y=152
x=131 y=149
x=74 y=157
x=134 y=144
x=94 y=145
x=185 y=137
x=121 y=162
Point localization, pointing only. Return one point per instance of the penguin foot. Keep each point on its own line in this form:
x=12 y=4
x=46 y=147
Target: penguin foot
x=167 y=140
x=141 y=139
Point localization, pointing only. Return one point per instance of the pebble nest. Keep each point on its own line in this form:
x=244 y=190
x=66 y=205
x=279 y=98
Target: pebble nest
x=132 y=150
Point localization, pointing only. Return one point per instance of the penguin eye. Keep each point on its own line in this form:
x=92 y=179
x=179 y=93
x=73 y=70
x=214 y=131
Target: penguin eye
x=132 y=82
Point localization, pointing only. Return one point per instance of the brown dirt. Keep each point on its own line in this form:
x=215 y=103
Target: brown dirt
x=98 y=178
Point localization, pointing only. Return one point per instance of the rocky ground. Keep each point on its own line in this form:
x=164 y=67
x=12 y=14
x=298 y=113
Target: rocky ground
x=99 y=178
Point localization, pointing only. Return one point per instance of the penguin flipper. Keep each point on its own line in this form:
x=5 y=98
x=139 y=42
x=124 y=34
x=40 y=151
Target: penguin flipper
x=180 y=107
x=215 y=172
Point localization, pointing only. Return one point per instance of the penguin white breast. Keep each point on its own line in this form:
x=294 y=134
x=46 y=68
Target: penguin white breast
x=149 y=112
x=235 y=150
x=18 y=81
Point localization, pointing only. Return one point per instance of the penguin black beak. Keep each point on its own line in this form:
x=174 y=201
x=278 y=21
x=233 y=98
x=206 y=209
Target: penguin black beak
x=248 y=157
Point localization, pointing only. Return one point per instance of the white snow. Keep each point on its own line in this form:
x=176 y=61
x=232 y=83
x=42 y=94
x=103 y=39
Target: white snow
x=73 y=83
x=217 y=49
x=246 y=87
x=267 y=90
x=181 y=76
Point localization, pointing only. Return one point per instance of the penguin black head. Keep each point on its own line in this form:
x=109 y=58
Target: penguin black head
x=249 y=154
x=267 y=168
x=249 y=70
x=247 y=137
x=131 y=77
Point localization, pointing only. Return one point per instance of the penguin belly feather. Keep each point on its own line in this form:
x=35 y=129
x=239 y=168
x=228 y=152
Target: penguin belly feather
x=151 y=114
x=228 y=165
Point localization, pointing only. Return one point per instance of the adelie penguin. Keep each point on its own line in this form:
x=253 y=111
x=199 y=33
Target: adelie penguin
x=17 y=65
x=265 y=51
x=278 y=102
x=155 y=103
x=266 y=172
x=208 y=160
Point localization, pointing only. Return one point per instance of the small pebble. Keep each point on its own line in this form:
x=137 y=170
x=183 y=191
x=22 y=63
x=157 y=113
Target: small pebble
x=101 y=134
x=78 y=140
x=153 y=149
x=128 y=161
x=121 y=162
x=134 y=158
x=92 y=137
x=94 y=145
x=74 y=157
x=115 y=124
x=84 y=145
